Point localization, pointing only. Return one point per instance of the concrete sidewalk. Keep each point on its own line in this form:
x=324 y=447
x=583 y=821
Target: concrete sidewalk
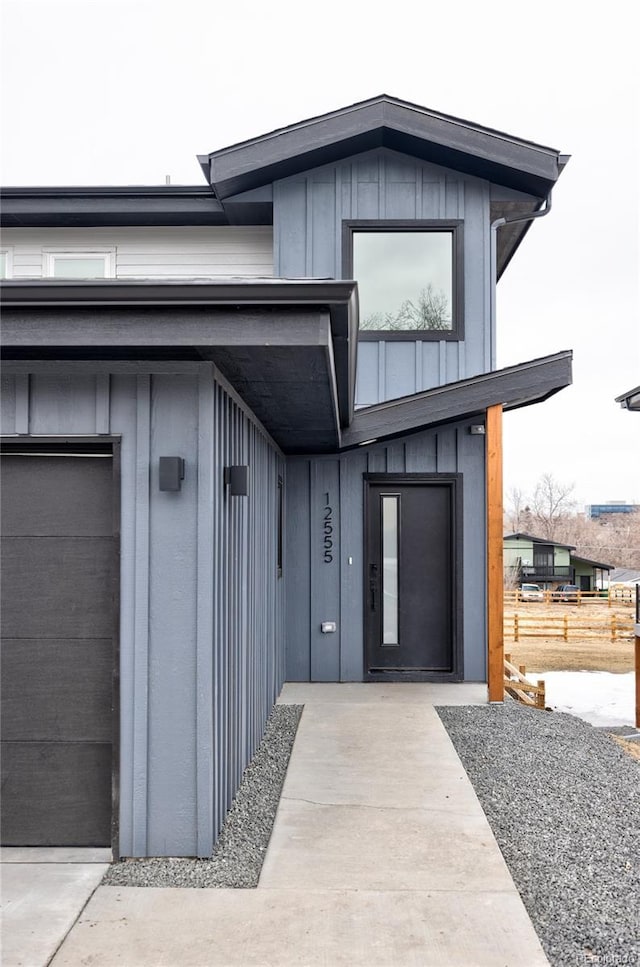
x=380 y=856
x=43 y=890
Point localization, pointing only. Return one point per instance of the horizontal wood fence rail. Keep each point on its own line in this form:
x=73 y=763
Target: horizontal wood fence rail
x=607 y=598
x=519 y=687
x=517 y=626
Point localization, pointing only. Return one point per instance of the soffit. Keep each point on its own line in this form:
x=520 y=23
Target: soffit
x=288 y=349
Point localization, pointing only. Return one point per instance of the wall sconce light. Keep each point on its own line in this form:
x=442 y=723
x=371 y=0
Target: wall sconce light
x=477 y=429
x=171 y=472
x=237 y=480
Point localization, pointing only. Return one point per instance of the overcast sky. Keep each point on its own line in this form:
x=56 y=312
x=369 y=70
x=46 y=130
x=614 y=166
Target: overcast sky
x=128 y=91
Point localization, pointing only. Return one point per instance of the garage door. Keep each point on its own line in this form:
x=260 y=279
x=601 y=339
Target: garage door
x=57 y=649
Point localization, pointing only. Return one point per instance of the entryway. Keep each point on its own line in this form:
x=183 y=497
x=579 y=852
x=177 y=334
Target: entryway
x=413 y=575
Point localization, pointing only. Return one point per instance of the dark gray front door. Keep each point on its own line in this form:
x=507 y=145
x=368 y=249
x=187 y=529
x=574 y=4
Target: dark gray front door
x=57 y=649
x=410 y=618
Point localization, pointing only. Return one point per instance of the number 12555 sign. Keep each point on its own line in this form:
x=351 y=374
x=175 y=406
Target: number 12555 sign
x=328 y=531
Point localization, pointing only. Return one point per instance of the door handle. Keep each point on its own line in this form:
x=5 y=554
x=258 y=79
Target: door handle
x=373 y=585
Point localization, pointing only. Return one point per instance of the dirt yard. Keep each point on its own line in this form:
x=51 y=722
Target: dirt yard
x=577 y=654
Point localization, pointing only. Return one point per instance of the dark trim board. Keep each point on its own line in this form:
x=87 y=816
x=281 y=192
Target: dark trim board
x=111 y=446
x=453 y=481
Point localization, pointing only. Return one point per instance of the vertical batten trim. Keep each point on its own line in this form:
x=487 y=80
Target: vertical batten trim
x=308 y=235
x=103 y=401
x=442 y=363
x=22 y=403
x=382 y=376
x=418 y=198
x=204 y=617
x=141 y=617
x=418 y=366
x=495 y=573
x=382 y=187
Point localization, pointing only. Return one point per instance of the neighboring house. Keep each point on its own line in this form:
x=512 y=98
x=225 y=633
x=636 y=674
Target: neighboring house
x=252 y=432
x=624 y=577
x=535 y=560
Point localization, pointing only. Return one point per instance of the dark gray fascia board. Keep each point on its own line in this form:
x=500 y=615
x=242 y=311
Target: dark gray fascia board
x=512 y=387
x=599 y=564
x=339 y=296
x=389 y=122
x=520 y=535
x=46 y=207
x=630 y=400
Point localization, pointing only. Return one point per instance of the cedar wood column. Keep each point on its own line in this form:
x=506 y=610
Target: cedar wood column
x=495 y=567
x=637 y=680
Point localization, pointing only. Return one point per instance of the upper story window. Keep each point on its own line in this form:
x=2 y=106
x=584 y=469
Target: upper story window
x=410 y=278
x=5 y=263
x=79 y=264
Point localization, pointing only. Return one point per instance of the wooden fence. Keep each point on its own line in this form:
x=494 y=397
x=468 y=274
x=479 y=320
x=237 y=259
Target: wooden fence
x=614 y=596
x=518 y=626
x=519 y=687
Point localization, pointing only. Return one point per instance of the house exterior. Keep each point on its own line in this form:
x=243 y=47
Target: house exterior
x=537 y=560
x=246 y=426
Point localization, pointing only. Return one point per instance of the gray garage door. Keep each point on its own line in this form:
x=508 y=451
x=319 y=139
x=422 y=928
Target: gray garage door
x=57 y=649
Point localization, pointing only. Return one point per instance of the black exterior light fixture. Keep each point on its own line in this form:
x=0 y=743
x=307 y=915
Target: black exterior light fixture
x=171 y=473
x=237 y=480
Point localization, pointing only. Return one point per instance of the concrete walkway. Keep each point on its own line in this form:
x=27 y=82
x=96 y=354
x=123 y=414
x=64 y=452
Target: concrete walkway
x=380 y=856
x=43 y=890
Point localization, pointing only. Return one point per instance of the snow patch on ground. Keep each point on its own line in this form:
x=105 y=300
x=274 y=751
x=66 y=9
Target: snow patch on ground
x=601 y=698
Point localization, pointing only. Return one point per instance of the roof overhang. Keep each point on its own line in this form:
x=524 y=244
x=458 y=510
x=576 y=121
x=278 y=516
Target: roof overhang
x=75 y=207
x=384 y=121
x=589 y=563
x=512 y=387
x=287 y=347
x=630 y=400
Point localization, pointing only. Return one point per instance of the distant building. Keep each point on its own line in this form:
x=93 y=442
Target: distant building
x=594 y=511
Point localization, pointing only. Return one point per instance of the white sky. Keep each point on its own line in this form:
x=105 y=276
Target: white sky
x=127 y=91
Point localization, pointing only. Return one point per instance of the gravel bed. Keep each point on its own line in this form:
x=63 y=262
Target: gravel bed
x=239 y=852
x=563 y=801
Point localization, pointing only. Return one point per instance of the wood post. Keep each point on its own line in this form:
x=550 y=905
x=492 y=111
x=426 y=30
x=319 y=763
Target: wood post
x=637 y=681
x=495 y=566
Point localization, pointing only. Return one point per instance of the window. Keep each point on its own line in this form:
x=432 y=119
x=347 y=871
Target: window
x=409 y=276
x=80 y=264
x=5 y=263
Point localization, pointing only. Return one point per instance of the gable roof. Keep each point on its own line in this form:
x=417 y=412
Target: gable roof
x=384 y=121
x=537 y=540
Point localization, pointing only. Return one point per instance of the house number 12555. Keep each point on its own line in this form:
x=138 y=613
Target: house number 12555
x=328 y=531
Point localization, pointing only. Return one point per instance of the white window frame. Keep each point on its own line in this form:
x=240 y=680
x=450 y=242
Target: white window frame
x=8 y=252
x=49 y=257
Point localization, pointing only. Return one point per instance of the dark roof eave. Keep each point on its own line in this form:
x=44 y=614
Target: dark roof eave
x=520 y=535
x=45 y=207
x=390 y=122
x=598 y=564
x=339 y=296
x=512 y=387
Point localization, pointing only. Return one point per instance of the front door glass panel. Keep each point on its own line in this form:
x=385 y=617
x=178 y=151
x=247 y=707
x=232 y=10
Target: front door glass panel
x=390 y=537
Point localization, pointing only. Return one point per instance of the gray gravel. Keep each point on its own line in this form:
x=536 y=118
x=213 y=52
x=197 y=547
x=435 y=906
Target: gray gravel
x=563 y=800
x=239 y=853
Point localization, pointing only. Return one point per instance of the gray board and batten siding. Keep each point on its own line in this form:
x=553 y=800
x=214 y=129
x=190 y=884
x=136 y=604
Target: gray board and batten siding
x=308 y=214
x=320 y=590
x=201 y=603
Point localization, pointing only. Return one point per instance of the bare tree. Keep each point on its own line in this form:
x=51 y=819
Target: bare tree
x=430 y=311
x=552 y=502
x=517 y=511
